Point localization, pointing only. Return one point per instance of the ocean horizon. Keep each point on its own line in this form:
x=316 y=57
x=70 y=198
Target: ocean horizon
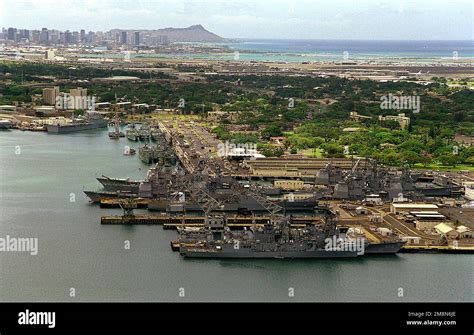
x=360 y=48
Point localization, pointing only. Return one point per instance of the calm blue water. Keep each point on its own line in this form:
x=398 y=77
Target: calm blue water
x=75 y=251
x=326 y=51
x=412 y=49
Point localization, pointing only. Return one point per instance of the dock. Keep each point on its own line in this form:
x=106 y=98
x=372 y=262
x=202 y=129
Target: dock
x=435 y=249
x=171 y=221
x=117 y=202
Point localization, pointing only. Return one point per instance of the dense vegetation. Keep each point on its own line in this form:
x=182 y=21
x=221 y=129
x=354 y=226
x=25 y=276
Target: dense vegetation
x=311 y=112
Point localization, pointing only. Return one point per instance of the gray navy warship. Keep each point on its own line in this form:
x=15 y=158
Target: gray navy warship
x=274 y=240
x=92 y=120
x=277 y=239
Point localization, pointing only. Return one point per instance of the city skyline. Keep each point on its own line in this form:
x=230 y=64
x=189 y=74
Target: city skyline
x=374 y=20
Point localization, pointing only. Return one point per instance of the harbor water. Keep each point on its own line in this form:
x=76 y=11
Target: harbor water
x=42 y=178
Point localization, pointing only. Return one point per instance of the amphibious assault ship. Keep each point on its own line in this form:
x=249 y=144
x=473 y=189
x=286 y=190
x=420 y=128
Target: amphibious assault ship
x=92 y=120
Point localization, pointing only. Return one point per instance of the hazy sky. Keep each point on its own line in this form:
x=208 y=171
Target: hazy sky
x=305 y=19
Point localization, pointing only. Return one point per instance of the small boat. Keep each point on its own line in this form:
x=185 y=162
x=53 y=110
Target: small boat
x=129 y=152
x=5 y=124
x=114 y=135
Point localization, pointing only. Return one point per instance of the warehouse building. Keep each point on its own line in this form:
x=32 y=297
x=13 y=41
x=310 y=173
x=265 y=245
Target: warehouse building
x=427 y=220
x=399 y=208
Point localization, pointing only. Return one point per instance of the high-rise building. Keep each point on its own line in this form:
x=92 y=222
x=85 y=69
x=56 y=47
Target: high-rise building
x=160 y=40
x=44 y=36
x=55 y=37
x=83 y=35
x=35 y=36
x=78 y=98
x=11 y=34
x=78 y=92
x=68 y=37
x=25 y=33
x=123 y=38
x=50 y=94
x=137 y=38
x=91 y=37
x=62 y=38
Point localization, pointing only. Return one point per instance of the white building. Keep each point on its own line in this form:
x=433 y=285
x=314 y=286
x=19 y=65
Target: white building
x=398 y=208
x=361 y=210
x=45 y=110
x=4 y=109
x=468 y=189
x=447 y=230
x=464 y=232
x=384 y=231
x=49 y=55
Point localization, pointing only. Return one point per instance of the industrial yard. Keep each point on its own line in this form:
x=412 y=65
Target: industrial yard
x=422 y=210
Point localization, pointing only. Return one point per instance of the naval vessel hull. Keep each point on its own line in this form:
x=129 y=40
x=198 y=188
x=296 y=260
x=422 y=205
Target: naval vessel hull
x=193 y=253
x=99 y=196
x=5 y=125
x=438 y=191
x=384 y=248
x=233 y=207
x=68 y=128
x=130 y=188
x=119 y=185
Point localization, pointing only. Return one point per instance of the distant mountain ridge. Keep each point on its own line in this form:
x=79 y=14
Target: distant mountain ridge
x=194 y=33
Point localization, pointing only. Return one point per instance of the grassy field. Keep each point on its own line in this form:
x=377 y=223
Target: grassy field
x=313 y=153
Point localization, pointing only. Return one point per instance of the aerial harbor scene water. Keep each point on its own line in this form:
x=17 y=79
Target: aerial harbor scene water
x=174 y=164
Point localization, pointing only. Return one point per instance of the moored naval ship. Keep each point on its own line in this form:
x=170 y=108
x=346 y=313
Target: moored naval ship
x=154 y=186
x=144 y=132
x=389 y=246
x=156 y=134
x=116 y=133
x=274 y=240
x=119 y=184
x=370 y=178
x=92 y=120
x=146 y=154
x=98 y=196
x=436 y=186
x=201 y=241
x=132 y=132
x=149 y=154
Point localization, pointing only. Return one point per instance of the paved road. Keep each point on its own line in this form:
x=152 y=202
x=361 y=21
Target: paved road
x=406 y=229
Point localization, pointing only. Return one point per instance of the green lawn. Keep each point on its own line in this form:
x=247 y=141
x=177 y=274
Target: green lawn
x=313 y=153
